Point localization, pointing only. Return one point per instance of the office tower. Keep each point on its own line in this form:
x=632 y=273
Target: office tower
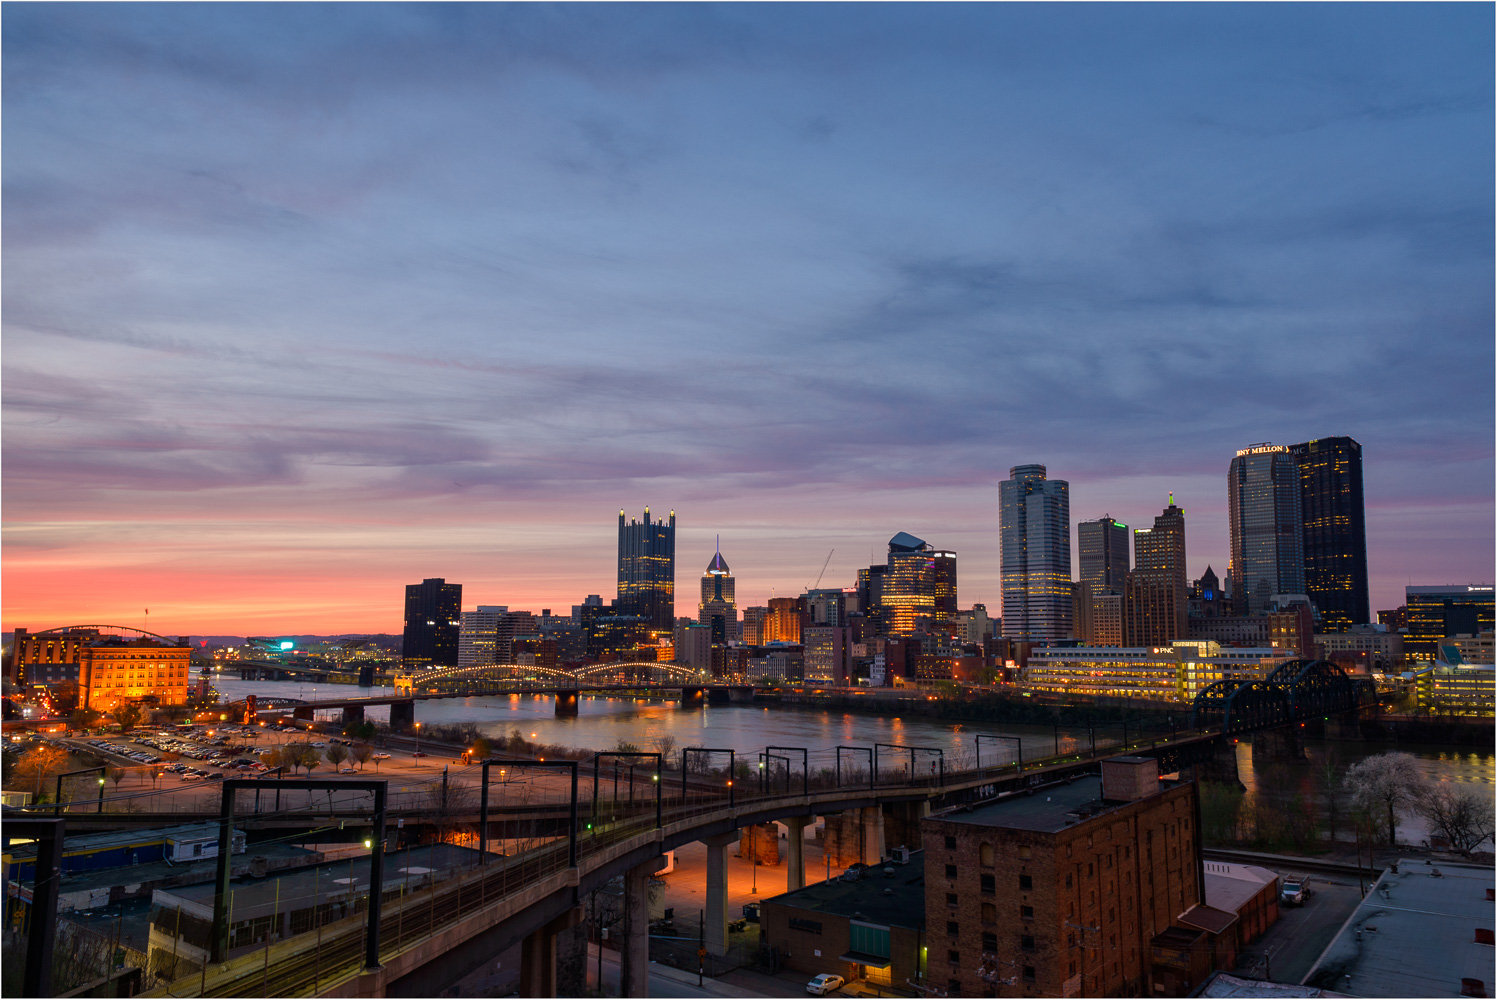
x=432 y=623
x=647 y=570
x=753 y=625
x=477 y=639
x=717 y=609
x=919 y=587
x=1154 y=612
x=1267 y=524
x=1097 y=618
x=827 y=606
x=1104 y=553
x=1335 y=532
x=826 y=654
x=786 y=617
x=871 y=596
x=113 y=670
x=1436 y=613
x=1034 y=521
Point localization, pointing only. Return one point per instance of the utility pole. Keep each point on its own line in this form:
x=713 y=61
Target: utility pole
x=1083 y=928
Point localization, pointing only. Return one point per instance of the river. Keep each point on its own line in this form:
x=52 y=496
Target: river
x=604 y=722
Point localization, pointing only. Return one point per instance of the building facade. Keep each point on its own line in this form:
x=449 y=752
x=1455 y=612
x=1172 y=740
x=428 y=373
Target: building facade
x=1157 y=591
x=112 y=670
x=433 y=624
x=1035 y=568
x=478 y=636
x=1437 y=612
x=1335 y=530
x=647 y=570
x=1266 y=518
x=1063 y=892
x=919 y=587
x=785 y=619
x=753 y=625
x=718 y=609
x=1104 y=554
x=1174 y=673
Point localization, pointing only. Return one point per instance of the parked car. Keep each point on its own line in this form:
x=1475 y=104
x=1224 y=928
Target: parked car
x=419 y=753
x=381 y=756
x=824 y=984
x=347 y=770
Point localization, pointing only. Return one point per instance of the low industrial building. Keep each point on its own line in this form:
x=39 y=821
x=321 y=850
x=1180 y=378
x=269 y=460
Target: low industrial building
x=871 y=928
x=1423 y=931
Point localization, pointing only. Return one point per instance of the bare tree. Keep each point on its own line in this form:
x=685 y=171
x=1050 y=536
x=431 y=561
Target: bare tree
x=1461 y=814
x=666 y=747
x=1387 y=780
x=1328 y=776
x=336 y=754
x=361 y=752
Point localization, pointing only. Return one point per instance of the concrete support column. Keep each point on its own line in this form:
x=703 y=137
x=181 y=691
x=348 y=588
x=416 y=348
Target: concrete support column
x=716 y=932
x=402 y=716
x=566 y=703
x=795 y=877
x=873 y=835
x=302 y=712
x=634 y=950
x=538 y=955
x=353 y=714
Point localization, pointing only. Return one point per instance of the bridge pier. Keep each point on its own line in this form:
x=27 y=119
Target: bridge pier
x=353 y=714
x=761 y=843
x=741 y=693
x=1281 y=743
x=873 y=835
x=693 y=697
x=538 y=955
x=303 y=712
x=902 y=823
x=719 y=696
x=1221 y=765
x=366 y=676
x=634 y=950
x=566 y=703
x=795 y=876
x=402 y=716
x=716 y=932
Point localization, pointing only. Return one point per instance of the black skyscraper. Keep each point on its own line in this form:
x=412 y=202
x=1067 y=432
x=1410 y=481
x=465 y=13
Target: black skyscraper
x=647 y=570
x=1330 y=475
x=432 y=621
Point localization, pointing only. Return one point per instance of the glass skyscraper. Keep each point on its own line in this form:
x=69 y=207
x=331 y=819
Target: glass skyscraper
x=1335 y=534
x=647 y=571
x=1104 y=554
x=1034 y=522
x=432 y=622
x=1267 y=525
x=918 y=583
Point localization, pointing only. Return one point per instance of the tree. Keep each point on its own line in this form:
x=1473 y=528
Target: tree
x=482 y=749
x=116 y=775
x=624 y=747
x=666 y=747
x=1461 y=814
x=308 y=756
x=1385 y=780
x=361 y=752
x=336 y=754
x=1328 y=776
x=37 y=767
x=83 y=718
x=128 y=714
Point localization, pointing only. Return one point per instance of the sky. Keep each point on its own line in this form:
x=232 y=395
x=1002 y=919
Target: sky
x=304 y=303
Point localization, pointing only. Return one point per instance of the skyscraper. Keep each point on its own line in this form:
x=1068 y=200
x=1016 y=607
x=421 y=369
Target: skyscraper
x=717 y=609
x=1154 y=613
x=1335 y=533
x=1034 y=520
x=478 y=639
x=432 y=622
x=647 y=570
x=1267 y=524
x=910 y=585
x=1104 y=554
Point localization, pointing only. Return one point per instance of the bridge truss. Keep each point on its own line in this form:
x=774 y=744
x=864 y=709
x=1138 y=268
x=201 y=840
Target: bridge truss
x=1298 y=689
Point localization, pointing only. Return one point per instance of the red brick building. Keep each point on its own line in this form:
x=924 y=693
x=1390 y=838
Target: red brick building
x=1062 y=890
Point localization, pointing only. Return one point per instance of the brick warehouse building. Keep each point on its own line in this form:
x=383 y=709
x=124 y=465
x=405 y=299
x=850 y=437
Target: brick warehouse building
x=1062 y=890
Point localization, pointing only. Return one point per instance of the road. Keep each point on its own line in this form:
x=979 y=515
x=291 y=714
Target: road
x=1287 y=951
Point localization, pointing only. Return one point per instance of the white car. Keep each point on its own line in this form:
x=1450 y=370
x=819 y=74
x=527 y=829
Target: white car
x=824 y=984
x=381 y=756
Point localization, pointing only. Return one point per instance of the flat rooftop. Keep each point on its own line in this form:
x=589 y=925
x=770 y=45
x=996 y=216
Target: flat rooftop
x=1048 y=810
x=894 y=901
x=1414 y=935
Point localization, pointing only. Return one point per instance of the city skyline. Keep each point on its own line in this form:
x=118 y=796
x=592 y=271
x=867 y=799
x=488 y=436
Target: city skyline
x=303 y=304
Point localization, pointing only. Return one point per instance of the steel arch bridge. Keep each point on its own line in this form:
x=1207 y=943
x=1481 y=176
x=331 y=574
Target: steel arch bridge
x=63 y=630
x=1296 y=690
x=650 y=673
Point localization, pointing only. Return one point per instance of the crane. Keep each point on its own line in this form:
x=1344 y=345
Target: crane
x=823 y=570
